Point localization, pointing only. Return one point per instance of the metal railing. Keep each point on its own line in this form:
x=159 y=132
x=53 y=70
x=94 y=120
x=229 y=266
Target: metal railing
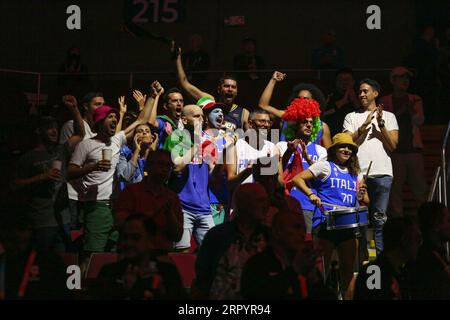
x=440 y=181
x=131 y=77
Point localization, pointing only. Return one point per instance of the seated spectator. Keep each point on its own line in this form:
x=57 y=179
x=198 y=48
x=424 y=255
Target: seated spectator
x=329 y=55
x=248 y=60
x=286 y=268
x=401 y=242
x=152 y=198
x=142 y=273
x=407 y=159
x=431 y=272
x=227 y=247
x=41 y=176
x=196 y=59
x=28 y=273
x=342 y=101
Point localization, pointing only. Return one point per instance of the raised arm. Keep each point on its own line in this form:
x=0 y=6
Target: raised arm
x=192 y=90
x=122 y=111
x=78 y=124
x=143 y=117
x=157 y=91
x=264 y=100
x=326 y=137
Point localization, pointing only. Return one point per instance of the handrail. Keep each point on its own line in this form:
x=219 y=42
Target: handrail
x=434 y=183
x=443 y=167
x=52 y=73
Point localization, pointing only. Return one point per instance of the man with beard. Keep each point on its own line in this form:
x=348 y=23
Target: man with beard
x=375 y=131
x=235 y=117
x=90 y=102
x=254 y=152
x=302 y=111
x=42 y=172
x=191 y=176
x=170 y=121
x=94 y=161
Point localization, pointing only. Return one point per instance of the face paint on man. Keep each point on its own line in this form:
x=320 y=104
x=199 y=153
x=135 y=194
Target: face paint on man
x=216 y=118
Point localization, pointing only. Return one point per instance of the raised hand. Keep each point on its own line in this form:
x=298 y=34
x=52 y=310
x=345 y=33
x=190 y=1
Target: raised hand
x=140 y=99
x=175 y=50
x=122 y=105
x=365 y=127
x=292 y=145
x=380 y=114
x=157 y=89
x=278 y=76
x=137 y=142
x=70 y=101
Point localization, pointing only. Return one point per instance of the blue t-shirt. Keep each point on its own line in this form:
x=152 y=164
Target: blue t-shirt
x=192 y=187
x=297 y=193
x=192 y=183
x=338 y=188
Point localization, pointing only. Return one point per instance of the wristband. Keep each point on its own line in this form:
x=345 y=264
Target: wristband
x=309 y=195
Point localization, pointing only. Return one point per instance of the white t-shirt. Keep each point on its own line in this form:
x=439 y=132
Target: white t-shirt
x=246 y=154
x=65 y=134
x=321 y=151
x=322 y=169
x=372 y=148
x=67 y=131
x=97 y=185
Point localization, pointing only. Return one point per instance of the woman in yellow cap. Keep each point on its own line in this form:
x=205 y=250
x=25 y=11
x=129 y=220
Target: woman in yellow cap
x=336 y=182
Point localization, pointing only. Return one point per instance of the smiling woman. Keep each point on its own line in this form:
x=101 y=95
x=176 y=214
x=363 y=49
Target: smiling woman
x=336 y=183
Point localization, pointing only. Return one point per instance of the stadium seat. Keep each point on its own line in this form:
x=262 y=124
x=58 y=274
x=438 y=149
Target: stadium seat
x=185 y=263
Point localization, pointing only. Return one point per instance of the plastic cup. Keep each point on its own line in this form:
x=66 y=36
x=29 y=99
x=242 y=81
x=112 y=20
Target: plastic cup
x=107 y=154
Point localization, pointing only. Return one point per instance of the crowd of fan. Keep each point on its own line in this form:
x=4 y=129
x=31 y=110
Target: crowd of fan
x=144 y=185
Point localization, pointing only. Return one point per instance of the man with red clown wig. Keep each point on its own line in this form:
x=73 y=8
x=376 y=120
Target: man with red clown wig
x=299 y=151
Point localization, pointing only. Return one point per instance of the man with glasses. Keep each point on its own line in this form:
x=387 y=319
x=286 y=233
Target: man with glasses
x=253 y=152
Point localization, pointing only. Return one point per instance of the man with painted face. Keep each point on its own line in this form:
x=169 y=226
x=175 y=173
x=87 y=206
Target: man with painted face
x=41 y=174
x=254 y=152
x=235 y=117
x=218 y=142
x=91 y=162
x=190 y=177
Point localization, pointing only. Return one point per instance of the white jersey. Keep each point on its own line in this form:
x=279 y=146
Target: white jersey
x=246 y=154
